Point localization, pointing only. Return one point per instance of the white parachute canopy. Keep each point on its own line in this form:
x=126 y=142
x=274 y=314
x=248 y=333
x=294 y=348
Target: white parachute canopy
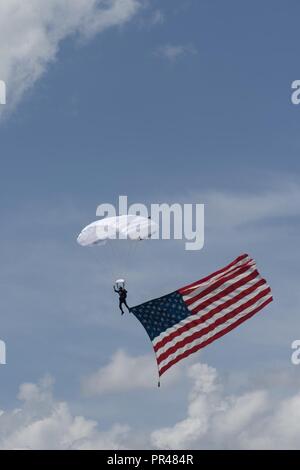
x=124 y=227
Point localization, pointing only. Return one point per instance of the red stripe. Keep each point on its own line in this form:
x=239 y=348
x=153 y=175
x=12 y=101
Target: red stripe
x=213 y=338
x=204 y=279
x=211 y=327
x=217 y=284
x=208 y=315
x=227 y=291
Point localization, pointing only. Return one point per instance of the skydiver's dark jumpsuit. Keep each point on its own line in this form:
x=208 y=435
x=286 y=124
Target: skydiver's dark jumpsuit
x=122 y=298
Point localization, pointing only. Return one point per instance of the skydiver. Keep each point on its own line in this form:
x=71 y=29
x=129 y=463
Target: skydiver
x=122 y=292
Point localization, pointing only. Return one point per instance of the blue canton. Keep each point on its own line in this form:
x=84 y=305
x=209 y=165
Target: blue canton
x=160 y=314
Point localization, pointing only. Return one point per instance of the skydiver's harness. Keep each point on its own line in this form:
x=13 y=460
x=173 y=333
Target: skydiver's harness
x=122 y=293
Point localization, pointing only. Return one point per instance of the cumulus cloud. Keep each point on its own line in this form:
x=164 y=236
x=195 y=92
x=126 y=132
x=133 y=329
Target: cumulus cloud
x=32 y=31
x=236 y=209
x=173 y=52
x=252 y=420
x=124 y=373
x=41 y=422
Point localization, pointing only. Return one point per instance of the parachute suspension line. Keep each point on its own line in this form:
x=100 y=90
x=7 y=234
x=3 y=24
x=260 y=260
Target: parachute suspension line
x=112 y=258
x=135 y=247
x=127 y=263
x=129 y=255
x=100 y=231
x=133 y=251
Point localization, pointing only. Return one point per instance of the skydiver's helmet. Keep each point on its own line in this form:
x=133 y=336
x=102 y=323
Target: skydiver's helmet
x=120 y=284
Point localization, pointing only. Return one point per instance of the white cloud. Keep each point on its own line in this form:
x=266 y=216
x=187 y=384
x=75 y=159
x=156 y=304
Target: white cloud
x=174 y=52
x=228 y=209
x=252 y=420
x=31 y=33
x=124 y=373
x=45 y=423
x=196 y=424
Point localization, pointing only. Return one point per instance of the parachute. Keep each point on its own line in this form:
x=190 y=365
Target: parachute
x=122 y=234
x=124 y=227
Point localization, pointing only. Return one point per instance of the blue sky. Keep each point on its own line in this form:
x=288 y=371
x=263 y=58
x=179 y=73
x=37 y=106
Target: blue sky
x=176 y=101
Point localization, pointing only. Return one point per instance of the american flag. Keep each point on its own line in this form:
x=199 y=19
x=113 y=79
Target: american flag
x=190 y=318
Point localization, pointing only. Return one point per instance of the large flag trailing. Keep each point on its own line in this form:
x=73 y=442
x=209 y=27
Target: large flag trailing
x=190 y=318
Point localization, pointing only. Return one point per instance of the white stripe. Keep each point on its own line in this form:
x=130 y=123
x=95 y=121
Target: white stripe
x=206 y=310
x=220 y=289
x=201 y=340
x=197 y=291
x=239 y=264
x=210 y=321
